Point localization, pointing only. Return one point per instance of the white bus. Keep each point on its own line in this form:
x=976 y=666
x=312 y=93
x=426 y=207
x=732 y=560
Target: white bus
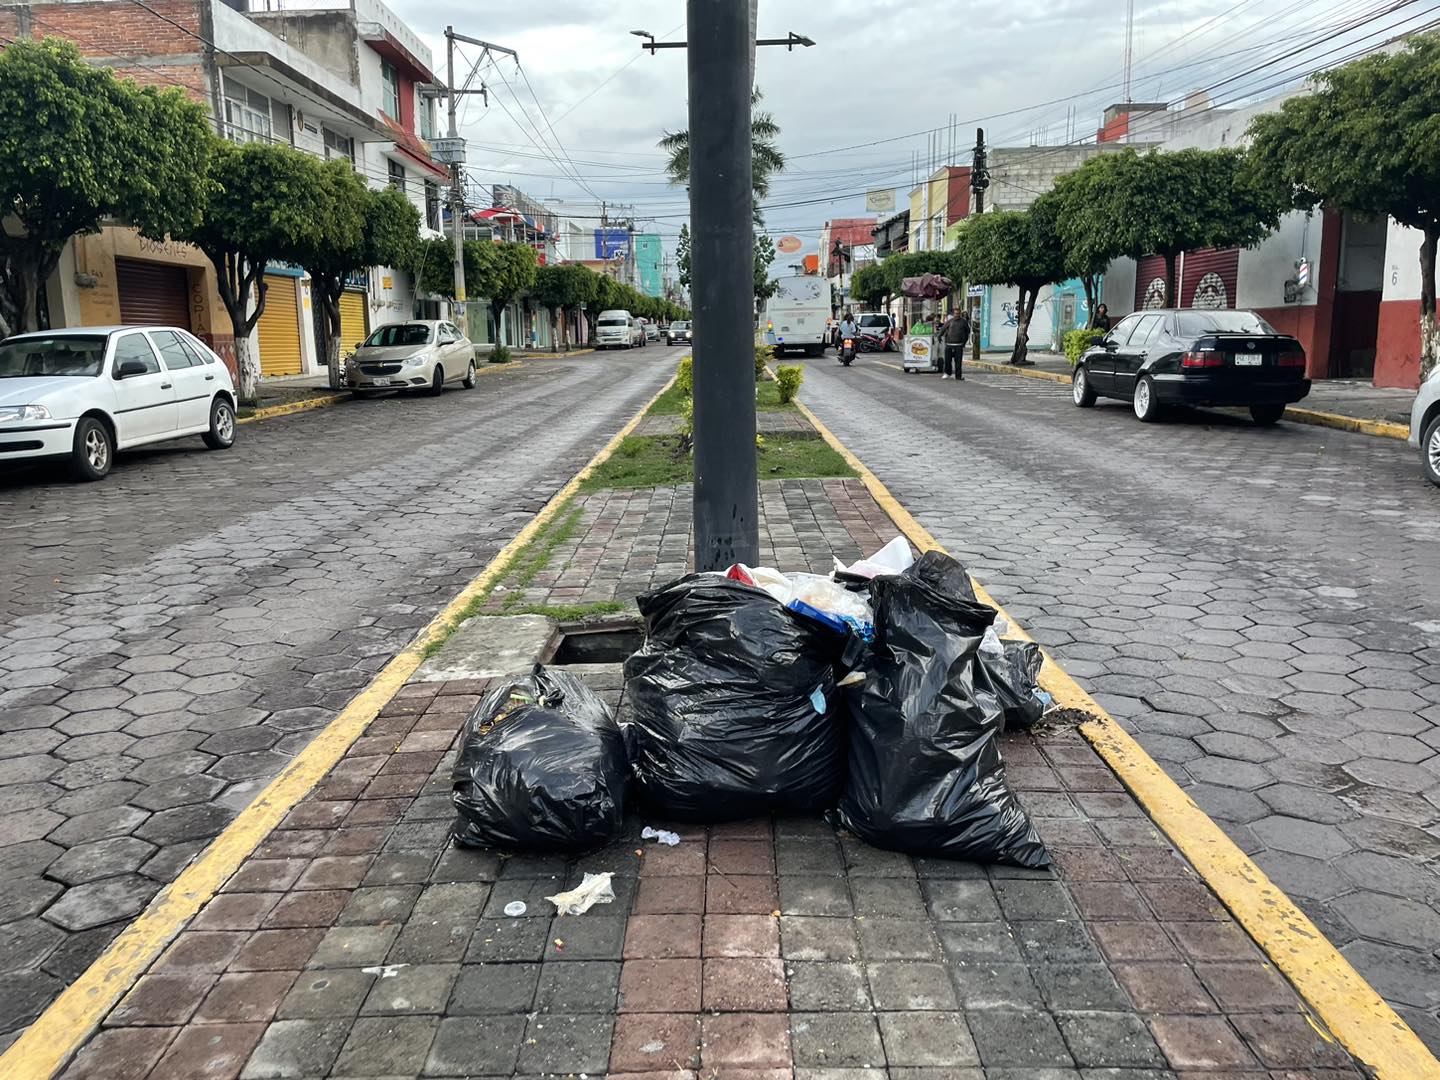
x=797 y=317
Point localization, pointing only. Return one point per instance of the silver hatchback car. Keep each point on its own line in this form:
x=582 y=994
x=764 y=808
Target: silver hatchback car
x=1425 y=426
x=422 y=353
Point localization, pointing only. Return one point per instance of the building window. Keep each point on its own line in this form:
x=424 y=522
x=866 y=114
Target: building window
x=397 y=176
x=432 y=205
x=247 y=114
x=390 y=101
x=427 y=117
x=339 y=146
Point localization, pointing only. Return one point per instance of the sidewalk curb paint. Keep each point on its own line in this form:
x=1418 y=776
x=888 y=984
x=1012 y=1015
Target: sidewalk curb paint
x=1359 y=1017
x=1382 y=429
x=63 y=1028
x=272 y=411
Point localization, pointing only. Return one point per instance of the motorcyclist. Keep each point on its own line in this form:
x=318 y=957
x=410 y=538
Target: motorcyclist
x=848 y=329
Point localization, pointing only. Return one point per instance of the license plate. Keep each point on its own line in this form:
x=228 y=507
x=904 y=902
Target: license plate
x=1247 y=361
x=380 y=382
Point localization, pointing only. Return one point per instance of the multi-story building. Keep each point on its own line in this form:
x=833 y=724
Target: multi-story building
x=856 y=238
x=344 y=82
x=649 y=254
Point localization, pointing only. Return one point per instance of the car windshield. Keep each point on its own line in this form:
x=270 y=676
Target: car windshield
x=611 y=322
x=1195 y=323
x=399 y=334
x=873 y=320
x=679 y=326
x=68 y=354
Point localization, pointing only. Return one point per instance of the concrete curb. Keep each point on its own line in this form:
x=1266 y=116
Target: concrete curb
x=63 y=1028
x=1353 y=1011
x=270 y=412
x=1382 y=429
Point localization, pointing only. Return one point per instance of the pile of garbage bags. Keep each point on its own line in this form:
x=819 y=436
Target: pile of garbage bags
x=877 y=694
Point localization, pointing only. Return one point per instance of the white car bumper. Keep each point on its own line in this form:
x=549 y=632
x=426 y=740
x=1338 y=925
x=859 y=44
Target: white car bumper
x=49 y=438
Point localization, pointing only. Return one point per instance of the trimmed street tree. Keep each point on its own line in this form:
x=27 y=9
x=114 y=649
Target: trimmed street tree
x=358 y=228
x=868 y=285
x=1089 y=245
x=1018 y=248
x=504 y=273
x=78 y=145
x=1163 y=203
x=1367 y=142
x=263 y=209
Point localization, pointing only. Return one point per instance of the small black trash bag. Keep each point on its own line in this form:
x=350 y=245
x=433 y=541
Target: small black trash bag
x=1015 y=672
x=541 y=768
x=734 y=706
x=925 y=769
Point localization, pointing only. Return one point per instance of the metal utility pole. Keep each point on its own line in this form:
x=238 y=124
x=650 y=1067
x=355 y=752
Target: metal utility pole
x=455 y=150
x=979 y=181
x=727 y=512
x=720 y=65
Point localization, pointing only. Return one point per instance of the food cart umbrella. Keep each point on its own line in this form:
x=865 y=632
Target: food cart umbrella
x=927 y=287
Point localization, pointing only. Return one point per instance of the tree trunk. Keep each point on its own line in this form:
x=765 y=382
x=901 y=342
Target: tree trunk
x=1022 y=330
x=1092 y=292
x=497 y=309
x=1429 y=331
x=234 y=279
x=332 y=350
x=1170 y=280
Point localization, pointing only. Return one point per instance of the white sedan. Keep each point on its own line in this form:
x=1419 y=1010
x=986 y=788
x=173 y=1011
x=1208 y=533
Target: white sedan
x=87 y=392
x=423 y=354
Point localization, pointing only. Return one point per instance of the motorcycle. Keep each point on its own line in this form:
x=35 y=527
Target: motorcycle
x=874 y=343
x=847 y=351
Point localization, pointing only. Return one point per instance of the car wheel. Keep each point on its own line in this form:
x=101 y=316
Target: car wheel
x=469 y=382
x=1430 y=451
x=1080 y=387
x=1266 y=415
x=1147 y=406
x=94 y=450
x=221 y=435
x=437 y=381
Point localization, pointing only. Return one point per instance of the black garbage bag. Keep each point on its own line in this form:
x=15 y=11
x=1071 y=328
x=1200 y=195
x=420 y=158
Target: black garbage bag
x=541 y=768
x=734 y=708
x=1015 y=673
x=925 y=770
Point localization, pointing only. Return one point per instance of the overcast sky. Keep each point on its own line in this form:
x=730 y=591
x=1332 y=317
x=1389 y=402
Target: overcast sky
x=880 y=69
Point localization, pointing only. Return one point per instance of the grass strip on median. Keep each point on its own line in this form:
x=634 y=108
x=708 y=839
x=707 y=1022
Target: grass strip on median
x=1352 y=1010
x=658 y=461
x=49 y=1043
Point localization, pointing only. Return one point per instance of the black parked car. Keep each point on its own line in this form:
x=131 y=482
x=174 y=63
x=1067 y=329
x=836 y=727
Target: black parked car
x=678 y=333
x=1155 y=358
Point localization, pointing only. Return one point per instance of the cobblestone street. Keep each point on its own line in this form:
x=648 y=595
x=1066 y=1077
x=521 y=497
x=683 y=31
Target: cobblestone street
x=170 y=637
x=1260 y=607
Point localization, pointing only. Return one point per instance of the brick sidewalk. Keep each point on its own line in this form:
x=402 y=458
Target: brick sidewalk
x=358 y=942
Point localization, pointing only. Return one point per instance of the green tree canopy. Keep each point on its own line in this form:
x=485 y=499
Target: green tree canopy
x=868 y=285
x=264 y=207
x=78 y=145
x=1367 y=142
x=1163 y=203
x=766 y=159
x=504 y=274
x=1019 y=248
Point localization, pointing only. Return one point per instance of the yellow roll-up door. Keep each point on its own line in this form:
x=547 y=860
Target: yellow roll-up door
x=354 y=324
x=279 y=328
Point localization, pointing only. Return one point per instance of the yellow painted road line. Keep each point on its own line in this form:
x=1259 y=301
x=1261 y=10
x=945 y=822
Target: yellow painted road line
x=1359 y=1017
x=64 y=1027
x=1383 y=429
x=269 y=412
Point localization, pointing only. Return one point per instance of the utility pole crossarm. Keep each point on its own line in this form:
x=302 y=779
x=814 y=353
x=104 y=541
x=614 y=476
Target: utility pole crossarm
x=491 y=46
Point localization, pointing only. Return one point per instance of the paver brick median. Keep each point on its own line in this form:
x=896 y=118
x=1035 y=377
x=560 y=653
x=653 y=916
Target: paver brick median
x=752 y=949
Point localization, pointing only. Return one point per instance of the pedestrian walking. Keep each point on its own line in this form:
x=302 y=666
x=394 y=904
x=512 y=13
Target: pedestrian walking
x=955 y=334
x=1101 y=319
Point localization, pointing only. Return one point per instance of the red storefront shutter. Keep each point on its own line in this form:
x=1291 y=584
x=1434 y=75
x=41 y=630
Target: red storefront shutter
x=1150 y=282
x=1211 y=278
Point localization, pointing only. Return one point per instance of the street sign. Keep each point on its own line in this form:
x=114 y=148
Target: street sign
x=976 y=290
x=448 y=151
x=880 y=200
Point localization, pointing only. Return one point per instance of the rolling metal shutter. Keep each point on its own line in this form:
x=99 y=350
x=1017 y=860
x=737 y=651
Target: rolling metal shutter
x=1210 y=278
x=279 y=328
x=1148 y=271
x=354 y=320
x=153 y=293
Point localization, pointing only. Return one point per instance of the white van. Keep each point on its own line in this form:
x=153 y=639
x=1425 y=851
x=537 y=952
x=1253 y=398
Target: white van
x=797 y=316
x=618 y=329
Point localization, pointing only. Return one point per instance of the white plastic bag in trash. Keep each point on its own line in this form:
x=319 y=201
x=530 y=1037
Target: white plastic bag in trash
x=664 y=836
x=894 y=558
x=594 y=889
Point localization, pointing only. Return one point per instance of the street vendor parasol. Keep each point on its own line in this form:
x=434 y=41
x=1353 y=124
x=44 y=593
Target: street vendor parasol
x=927 y=287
